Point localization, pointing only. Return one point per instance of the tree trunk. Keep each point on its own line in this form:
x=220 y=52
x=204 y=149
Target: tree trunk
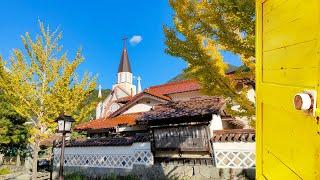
x=1 y=159
x=232 y=174
x=18 y=162
x=35 y=161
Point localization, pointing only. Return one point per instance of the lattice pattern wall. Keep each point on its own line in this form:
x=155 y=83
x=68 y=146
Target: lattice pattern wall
x=103 y=158
x=106 y=160
x=234 y=158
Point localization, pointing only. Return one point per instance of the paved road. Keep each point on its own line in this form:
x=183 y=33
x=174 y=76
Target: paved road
x=26 y=176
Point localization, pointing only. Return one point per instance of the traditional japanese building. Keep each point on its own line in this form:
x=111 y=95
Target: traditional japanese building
x=181 y=130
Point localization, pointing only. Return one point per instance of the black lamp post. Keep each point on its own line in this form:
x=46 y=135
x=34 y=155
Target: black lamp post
x=64 y=127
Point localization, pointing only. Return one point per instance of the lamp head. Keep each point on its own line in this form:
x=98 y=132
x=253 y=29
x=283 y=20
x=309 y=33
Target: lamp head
x=64 y=123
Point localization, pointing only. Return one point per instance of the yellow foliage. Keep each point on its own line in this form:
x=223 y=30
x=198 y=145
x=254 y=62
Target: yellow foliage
x=42 y=83
x=194 y=39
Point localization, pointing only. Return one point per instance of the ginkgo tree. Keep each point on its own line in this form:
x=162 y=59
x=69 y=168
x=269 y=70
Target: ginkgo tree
x=13 y=134
x=40 y=82
x=201 y=30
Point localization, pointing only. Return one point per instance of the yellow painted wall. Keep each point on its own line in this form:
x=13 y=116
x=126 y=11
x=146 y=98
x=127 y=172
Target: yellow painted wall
x=287 y=52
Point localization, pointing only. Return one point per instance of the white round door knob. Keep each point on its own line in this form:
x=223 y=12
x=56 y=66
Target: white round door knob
x=303 y=101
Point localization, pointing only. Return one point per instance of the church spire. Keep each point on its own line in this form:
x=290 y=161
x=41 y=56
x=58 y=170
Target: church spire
x=100 y=93
x=124 y=65
x=139 y=89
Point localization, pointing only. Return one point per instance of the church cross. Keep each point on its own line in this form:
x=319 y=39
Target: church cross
x=124 y=39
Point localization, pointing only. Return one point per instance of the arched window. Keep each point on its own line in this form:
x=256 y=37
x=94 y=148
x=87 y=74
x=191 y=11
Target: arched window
x=101 y=109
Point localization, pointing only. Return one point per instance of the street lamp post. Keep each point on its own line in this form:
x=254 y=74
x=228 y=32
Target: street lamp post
x=64 y=127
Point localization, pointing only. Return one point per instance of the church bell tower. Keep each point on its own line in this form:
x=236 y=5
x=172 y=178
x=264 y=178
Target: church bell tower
x=124 y=80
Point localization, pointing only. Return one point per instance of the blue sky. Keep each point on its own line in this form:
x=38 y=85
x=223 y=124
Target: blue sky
x=98 y=27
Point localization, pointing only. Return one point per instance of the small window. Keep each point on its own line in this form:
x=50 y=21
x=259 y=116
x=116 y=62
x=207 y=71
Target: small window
x=123 y=77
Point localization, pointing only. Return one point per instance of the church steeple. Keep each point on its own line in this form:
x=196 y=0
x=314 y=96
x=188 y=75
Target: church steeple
x=124 y=70
x=124 y=65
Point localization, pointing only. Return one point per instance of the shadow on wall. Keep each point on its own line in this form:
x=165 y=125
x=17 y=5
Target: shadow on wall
x=158 y=172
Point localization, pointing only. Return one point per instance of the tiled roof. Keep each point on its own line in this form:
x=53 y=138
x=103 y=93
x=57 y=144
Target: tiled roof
x=233 y=121
x=234 y=135
x=135 y=99
x=175 y=87
x=106 y=123
x=187 y=108
x=158 y=95
x=118 y=141
x=124 y=99
x=161 y=91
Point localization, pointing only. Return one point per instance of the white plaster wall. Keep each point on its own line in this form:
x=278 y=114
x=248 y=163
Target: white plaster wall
x=215 y=124
x=139 y=108
x=185 y=95
x=123 y=157
x=104 y=104
x=234 y=146
x=238 y=154
x=142 y=106
x=251 y=95
x=130 y=128
x=120 y=93
x=126 y=87
x=106 y=149
x=99 y=110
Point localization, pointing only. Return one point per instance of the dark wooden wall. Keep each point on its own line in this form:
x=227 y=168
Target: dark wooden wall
x=183 y=138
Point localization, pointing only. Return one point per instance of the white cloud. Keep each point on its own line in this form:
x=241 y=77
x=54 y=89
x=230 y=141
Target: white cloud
x=136 y=39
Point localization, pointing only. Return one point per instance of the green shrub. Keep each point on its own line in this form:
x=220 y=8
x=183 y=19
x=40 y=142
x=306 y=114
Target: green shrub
x=75 y=176
x=112 y=176
x=131 y=177
x=4 y=171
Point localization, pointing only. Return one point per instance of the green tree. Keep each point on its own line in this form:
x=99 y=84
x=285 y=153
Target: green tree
x=93 y=98
x=13 y=134
x=41 y=82
x=201 y=30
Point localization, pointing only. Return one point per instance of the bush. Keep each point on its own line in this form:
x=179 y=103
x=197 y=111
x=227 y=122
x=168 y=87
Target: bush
x=80 y=176
x=4 y=171
x=75 y=176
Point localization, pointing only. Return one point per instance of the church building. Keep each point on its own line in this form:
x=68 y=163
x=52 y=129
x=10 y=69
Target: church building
x=121 y=90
